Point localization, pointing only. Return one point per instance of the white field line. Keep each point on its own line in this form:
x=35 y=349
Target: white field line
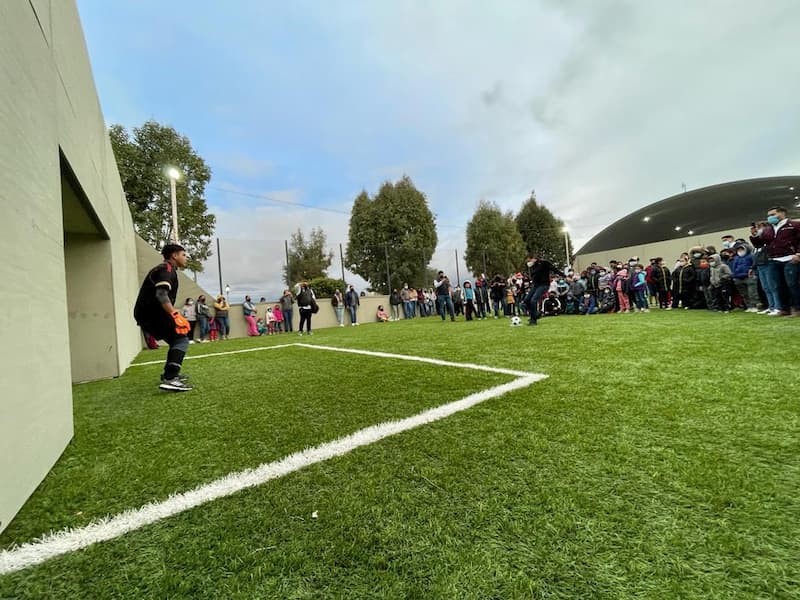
x=161 y=362
x=109 y=528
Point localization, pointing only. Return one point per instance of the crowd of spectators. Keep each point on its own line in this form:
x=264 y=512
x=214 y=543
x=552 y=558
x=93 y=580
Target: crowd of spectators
x=757 y=275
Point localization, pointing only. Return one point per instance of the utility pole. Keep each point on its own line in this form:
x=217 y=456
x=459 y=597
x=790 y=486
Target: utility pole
x=458 y=275
x=219 y=267
x=288 y=272
x=388 y=275
x=484 y=262
x=341 y=258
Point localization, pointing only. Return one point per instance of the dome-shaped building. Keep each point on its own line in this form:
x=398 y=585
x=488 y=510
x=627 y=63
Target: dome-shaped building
x=696 y=217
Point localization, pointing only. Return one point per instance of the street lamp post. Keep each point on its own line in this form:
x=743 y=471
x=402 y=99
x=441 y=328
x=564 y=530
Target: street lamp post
x=566 y=247
x=174 y=175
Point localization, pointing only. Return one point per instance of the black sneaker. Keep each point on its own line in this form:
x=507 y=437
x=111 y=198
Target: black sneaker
x=181 y=376
x=175 y=385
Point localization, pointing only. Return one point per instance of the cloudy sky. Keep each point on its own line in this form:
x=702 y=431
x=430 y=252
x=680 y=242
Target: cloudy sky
x=600 y=106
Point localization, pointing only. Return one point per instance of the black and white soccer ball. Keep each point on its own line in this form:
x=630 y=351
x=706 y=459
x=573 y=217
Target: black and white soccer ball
x=516 y=321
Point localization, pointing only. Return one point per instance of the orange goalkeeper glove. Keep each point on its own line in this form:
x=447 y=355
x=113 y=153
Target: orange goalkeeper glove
x=181 y=324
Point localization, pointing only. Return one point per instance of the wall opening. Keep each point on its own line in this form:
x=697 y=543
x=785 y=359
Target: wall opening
x=90 y=296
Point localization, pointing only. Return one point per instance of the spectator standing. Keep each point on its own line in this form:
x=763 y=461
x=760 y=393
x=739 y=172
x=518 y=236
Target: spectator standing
x=305 y=304
x=621 y=287
x=469 y=300
x=221 y=309
x=337 y=302
x=351 y=303
x=662 y=282
x=638 y=284
x=287 y=303
x=203 y=314
x=683 y=284
x=409 y=301
x=190 y=314
x=744 y=276
x=249 y=310
x=720 y=278
x=278 y=314
x=781 y=237
x=481 y=296
x=497 y=292
x=395 y=301
x=444 y=302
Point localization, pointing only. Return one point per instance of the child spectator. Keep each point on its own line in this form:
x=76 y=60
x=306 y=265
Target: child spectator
x=190 y=314
x=270 y=321
x=588 y=304
x=743 y=276
x=276 y=312
x=621 y=287
x=382 y=315
x=262 y=327
x=469 y=300
x=638 y=284
x=551 y=307
x=720 y=281
x=213 y=329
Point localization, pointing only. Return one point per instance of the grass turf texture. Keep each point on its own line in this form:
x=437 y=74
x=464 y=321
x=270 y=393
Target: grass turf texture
x=660 y=459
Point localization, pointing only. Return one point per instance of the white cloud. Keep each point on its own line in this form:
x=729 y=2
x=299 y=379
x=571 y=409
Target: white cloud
x=602 y=107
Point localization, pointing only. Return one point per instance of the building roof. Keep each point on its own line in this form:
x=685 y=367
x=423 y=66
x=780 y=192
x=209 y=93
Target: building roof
x=731 y=205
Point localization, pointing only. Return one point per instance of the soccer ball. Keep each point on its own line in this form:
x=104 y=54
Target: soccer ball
x=515 y=321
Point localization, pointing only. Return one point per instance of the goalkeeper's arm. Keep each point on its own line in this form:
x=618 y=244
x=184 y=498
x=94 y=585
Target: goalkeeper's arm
x=163 y=297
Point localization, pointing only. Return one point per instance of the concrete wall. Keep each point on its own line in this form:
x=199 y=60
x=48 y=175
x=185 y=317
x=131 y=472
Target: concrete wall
x=64 y=245
x=669 y=249
x=326 y=317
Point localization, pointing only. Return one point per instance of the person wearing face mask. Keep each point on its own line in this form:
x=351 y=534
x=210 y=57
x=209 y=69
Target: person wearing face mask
x=662 y=281
x=683 y=283
x=744 y=278
x=409 y=302
x=539 y=271
x=190 y=314
x=727 y=241
x=781 y=238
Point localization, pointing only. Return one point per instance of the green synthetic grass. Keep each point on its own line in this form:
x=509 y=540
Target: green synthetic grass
x=659 y=460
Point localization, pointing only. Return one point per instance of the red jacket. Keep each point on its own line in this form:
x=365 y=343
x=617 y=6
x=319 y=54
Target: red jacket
x=783 y=243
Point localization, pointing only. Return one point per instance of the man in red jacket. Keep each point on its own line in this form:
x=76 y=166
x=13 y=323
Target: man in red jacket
x=782 y=239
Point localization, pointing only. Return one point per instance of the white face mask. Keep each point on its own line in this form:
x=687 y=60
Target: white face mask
x=530 y=263
x=741 y=252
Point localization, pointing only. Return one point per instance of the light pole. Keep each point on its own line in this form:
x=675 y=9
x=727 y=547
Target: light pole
x=566 y=247
x=174 y=175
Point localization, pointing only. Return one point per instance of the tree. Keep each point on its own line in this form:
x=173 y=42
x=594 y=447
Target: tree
x=395 y=226
x=307 y=259
x=142 y=160
x=494 y=244
x=542 y=233
x=325 y=286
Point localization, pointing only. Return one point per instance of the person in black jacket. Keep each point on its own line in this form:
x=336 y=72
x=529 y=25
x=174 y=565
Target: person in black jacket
x=539 y=272
x=662 y=281
x=683 y=284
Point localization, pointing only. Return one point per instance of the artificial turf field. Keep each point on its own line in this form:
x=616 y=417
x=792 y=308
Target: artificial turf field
x=659 y=459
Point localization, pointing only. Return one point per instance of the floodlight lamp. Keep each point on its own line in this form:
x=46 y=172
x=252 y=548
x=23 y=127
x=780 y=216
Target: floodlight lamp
x=677 y=228
x=646 y=219
x=174 y=173
x=690 y=232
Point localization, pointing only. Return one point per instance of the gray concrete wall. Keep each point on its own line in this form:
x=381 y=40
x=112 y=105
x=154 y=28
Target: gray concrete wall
x=325 y=318
x=669 y=250
x=59 y=295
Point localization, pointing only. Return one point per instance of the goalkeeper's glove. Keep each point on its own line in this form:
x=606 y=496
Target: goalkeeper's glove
x=181 y=324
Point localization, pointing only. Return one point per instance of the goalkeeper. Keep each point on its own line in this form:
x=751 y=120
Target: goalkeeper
x=156 y=314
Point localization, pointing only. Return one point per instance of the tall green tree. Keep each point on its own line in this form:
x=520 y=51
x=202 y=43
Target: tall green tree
x=308 y=259
x=543 y=234
x=142 y=160
x=396 y=226
x=494 y=244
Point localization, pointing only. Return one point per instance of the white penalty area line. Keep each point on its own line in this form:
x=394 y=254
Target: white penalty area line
x=161 y=362
x=112 y=527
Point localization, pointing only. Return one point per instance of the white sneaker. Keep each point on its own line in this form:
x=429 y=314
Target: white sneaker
x=774 y=313
x=341 y=324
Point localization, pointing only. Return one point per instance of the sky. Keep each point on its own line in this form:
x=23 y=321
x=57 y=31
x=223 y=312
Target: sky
x=600 y=106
